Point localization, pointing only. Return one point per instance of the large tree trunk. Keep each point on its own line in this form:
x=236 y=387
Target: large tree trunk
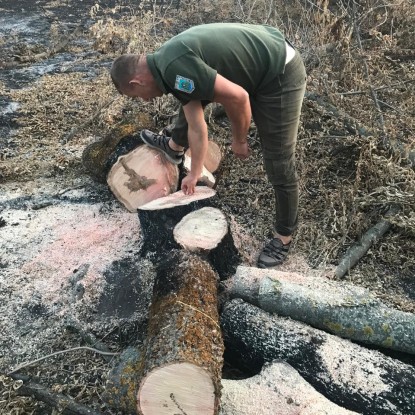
x=182 y=362
x=99 y=157
x=359 y=379
x=343 y=309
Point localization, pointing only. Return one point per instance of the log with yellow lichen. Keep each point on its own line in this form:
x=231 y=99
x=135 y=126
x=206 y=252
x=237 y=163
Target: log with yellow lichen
x=339 y=308
x=183 y=353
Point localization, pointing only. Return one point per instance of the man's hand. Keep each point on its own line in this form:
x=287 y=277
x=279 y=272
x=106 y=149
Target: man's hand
x=241 y=149
x=189 y=184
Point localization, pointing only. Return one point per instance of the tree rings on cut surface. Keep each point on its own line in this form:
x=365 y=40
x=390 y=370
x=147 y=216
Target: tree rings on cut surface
x=142 y=176
x=202 y=229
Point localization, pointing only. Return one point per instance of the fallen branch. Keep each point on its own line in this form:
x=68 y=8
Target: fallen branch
x=64 y=404
x=358 y=250
x=56 y=49
x=91 y=349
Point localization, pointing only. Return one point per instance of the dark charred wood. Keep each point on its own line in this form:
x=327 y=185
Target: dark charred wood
x=157 y=225
x=65 y=404
x=359 y=379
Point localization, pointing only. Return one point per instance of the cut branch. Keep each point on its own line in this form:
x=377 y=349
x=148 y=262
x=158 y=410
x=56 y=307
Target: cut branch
x=65 y=404
x=358 y=250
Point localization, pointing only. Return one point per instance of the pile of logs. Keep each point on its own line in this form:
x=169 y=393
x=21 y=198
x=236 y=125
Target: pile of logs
x=293 y=331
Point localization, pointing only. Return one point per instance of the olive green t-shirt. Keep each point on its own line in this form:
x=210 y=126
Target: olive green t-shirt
x=248 y=55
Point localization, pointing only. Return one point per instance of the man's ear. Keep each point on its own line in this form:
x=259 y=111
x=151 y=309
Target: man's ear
x=137 y=80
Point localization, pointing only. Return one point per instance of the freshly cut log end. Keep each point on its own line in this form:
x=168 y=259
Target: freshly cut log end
x=206 y=176
x=179 y=199
x=142 y=176
x=213 y=156
x=159 y=217
x=182 y=388
x=203 y=229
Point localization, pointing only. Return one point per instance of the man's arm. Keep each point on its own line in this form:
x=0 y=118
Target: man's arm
x=235 y=101
x=198 y=141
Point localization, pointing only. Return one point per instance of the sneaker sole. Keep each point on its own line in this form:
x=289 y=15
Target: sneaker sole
x=168 y=157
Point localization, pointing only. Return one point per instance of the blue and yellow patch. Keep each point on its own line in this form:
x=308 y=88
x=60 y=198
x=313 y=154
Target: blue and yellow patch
x=184 y=84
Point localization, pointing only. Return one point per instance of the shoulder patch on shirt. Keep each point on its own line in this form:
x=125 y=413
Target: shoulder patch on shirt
x=184 y=84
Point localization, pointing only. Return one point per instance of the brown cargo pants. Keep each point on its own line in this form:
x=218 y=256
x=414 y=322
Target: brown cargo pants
x=276 y=110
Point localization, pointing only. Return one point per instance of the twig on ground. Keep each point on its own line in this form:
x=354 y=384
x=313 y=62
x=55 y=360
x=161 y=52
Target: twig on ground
x=23 y=365
x=65 y=404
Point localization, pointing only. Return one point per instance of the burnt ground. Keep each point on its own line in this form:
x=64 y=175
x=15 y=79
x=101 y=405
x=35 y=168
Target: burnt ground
x=54 y=79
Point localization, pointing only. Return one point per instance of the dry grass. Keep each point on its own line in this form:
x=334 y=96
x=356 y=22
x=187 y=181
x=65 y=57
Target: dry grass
x=347 y=180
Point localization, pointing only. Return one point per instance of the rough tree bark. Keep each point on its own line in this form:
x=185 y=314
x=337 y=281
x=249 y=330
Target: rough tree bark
x=182 y=359
x=357 y=378
x=343 y=309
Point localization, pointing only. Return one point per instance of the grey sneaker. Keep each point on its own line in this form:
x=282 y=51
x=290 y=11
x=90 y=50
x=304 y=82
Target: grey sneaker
x=273 y=254
x=161 y=142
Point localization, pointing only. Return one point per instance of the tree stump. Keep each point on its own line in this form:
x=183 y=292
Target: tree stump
x=159 y=217
x=183 y=354
x=343 y=309
x=141 y=176
x=352 y=376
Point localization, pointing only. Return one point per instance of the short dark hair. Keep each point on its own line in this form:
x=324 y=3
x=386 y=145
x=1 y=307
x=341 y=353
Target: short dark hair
x=123 y=69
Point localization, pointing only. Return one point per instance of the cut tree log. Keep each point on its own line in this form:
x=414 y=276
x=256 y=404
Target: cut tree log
x=141 y=176
x=159 y=217
x=183 y=353
x=213 y=156
x=277 y=390
x=206 y=232
x=350 y=375
x=343 y=309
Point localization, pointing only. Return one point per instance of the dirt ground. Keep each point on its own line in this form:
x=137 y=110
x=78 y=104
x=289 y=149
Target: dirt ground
x=355 y=141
